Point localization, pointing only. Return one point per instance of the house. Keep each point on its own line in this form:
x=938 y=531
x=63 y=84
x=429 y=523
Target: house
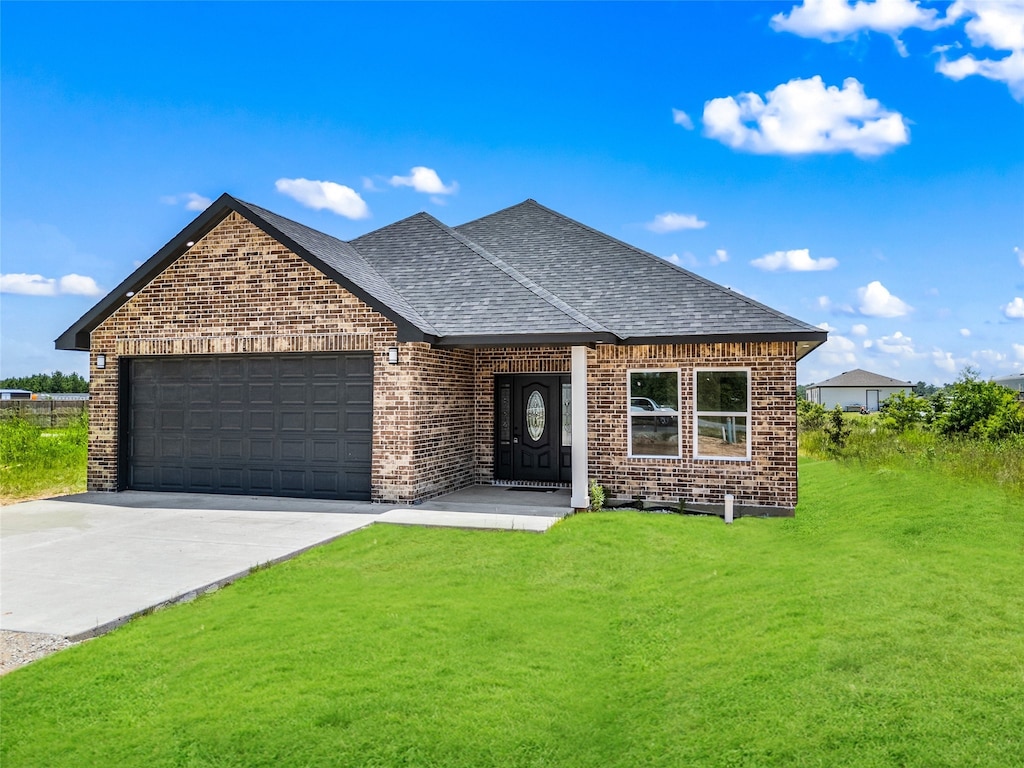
x=856 y=389
x=1014 y=381
x=254 y=355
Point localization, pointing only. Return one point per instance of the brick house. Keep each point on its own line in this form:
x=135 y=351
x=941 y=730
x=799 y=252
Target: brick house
x=254 y=355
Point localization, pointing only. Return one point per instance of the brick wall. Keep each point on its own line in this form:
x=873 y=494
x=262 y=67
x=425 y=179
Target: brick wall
x=767 y=480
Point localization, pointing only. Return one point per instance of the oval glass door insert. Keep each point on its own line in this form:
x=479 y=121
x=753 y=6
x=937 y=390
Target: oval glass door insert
x=535 y=416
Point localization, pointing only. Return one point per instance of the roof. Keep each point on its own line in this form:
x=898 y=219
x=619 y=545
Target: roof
x=524 y=275
x=861 y=378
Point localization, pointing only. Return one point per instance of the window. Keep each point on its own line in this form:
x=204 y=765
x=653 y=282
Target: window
x=722 y=415
x=654 y=413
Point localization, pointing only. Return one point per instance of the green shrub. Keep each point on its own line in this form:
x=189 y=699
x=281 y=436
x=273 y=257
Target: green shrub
x=596 y=496
x=980 y=409
x=902 y=411
x=836 y=430
x=809 y=416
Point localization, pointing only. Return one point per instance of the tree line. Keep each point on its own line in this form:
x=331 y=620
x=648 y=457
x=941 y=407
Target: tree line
x=48 y=383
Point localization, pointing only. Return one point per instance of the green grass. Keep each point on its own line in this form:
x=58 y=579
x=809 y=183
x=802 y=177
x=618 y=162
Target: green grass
x=37 y=462
x=880 y=627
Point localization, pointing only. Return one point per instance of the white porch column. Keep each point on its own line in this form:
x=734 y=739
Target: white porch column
x=580 y=471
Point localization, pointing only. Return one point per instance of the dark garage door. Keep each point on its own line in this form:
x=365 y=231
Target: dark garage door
x=273 y=425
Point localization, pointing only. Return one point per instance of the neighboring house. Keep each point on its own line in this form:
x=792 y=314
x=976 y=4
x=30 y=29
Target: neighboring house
x=855 y=390
x=1014 y=381
x=255 y=355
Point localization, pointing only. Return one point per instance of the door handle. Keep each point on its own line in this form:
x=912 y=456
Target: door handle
x=515 y=439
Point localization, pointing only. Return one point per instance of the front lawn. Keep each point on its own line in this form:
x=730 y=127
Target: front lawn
x=882 y=626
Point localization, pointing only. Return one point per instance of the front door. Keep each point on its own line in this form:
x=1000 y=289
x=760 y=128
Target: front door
x=533 y=434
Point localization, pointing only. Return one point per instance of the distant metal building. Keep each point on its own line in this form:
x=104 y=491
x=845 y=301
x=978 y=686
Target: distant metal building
x=855 y=390
x=15 y=394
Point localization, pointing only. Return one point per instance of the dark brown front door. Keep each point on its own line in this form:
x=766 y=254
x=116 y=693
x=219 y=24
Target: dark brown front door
x=532 y=431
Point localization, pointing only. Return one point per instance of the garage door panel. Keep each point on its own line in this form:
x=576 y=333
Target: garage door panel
x=292 y=425
x=293 y=450
x=261 y=421
x=261 y=449
x=261 y=393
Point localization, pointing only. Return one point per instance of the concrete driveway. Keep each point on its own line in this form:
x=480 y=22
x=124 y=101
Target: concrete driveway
x=80 y=565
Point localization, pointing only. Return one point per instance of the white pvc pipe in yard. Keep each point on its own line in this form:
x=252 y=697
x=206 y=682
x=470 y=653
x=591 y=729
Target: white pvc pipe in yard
x=728 y=508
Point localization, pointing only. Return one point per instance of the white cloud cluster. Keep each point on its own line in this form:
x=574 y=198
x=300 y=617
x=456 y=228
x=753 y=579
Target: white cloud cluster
x=673 y=222
x=998 y=26
x=876 y=301
x=720 y=257
x=426 y=180
x=834 y=20
x=1015 y=309
x=1020 y=255
x=37 y=285
x=325 y=195
x=193 y=201
x=837 y=351
x=681 y=118
x=794 y=261
x=897 y=344
x=804 y=117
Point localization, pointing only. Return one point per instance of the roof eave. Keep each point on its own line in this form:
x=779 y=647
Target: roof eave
x=806 y=341
x=472 y=341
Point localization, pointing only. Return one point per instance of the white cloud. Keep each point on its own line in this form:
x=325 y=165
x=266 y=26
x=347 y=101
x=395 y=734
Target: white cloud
x=28 y=285
x=859 y=330
x=944 y=361
x=37 y=285
x=193 y=201
x=965 y=332
x=826 y=327
x=721 y=256
x=794 y=261
x=1020 y=255
x=1015 y=309
x=989 y=357
x=834 y=20
x=824 y=302
x=425 y=180
x=806 y=117
x=838 y=350
x=686 y=260
x=998 y=26
x=673 y=222
x=369 y=185
x=325 y=195
x=897 y=344
x=681 y=118
x=876 y=301
x=1018 y=351
x=78 y=285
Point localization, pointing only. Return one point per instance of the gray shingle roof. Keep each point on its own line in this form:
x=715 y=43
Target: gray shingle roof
x=861 y=378
x=633 y=293
x=523 y=275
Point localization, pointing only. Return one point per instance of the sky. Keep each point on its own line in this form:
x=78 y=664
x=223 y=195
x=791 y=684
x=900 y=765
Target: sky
x=857 y=165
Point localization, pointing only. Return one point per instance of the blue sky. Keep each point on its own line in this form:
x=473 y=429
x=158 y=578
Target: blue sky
x=856 y=165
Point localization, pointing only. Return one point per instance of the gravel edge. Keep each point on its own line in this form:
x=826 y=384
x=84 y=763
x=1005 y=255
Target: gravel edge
x=20 y=648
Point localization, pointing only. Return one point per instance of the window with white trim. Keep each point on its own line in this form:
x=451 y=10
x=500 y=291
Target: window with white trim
x=654 y=414
x=721 y=423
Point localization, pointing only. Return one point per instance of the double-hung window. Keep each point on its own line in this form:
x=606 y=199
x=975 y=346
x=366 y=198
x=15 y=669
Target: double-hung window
x=654 y=413
x=721 y=423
